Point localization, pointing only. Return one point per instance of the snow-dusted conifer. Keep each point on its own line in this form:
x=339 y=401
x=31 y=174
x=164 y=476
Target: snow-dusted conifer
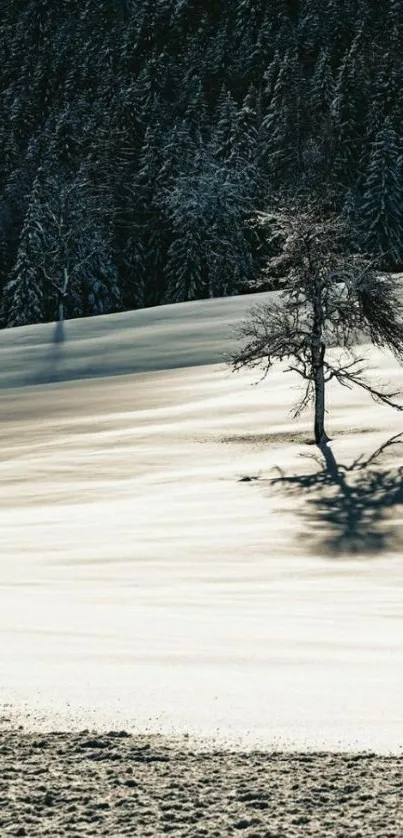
x=283 y=121
x=210 y=252
x=349 y=109
x=25 y=294
x=225 y=118
x=381 y=210
x=321 y=92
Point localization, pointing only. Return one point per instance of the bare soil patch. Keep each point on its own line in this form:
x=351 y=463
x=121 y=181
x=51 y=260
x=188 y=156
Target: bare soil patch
x=287 y=437
x=116 y=784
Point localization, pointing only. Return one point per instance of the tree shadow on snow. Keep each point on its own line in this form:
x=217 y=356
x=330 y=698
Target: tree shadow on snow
x=50 y=367
x=348 y=510
x=59 y=334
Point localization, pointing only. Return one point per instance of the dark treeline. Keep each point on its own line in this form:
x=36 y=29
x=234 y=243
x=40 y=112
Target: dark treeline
x=138 y=137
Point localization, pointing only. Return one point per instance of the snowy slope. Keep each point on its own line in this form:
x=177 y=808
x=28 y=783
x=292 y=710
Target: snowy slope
x=142 y=584
x=166 y=337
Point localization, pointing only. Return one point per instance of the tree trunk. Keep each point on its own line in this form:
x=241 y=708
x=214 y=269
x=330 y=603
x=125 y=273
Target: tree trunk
x=63 y=295
x=318 y=350
x=319 y=381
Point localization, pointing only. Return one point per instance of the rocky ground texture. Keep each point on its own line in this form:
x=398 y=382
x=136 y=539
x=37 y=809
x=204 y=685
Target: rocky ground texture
x=115 y=784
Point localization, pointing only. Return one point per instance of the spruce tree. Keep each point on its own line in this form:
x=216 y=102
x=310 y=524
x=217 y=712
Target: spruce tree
x=349 y=110
x=284 y=122
x=381 y=209
x=26 y=294
x=322 y=85
x=225 y=118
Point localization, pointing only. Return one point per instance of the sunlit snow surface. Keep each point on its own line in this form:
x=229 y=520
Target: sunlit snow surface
x=144 y=584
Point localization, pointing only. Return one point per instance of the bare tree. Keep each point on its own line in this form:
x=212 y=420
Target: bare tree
x=330 y=299
x=75 y=257
x=65 y=261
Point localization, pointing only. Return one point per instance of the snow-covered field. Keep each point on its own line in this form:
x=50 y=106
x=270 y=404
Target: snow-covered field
x=144 y=584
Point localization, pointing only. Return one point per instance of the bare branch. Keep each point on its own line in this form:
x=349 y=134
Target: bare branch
x=306 y=400
x=348 y=379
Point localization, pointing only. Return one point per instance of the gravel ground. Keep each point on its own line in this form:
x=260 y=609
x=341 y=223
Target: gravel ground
x=115 y=784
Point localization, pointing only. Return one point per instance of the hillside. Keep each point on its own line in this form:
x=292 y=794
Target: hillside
x=138 y=139
x=145 y=585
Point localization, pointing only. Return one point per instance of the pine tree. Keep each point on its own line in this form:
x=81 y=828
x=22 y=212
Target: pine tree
x=210 y=252
x=185 y=275
x=96 y=285
x=284 y=122
x=386 y=96
x=133 y=281
x=321 y=92
x=270 y=76
x=349 y=110
x=149 y=223
x=350 y=209
x=245 y=149
x=318 y=150
x=311 y=31
x=25 y=294
x=225 y=117
x=381 y=210
x=395 y=25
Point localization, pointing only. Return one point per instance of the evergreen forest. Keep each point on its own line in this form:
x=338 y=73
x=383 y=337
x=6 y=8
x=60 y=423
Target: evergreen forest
x=138 y=138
